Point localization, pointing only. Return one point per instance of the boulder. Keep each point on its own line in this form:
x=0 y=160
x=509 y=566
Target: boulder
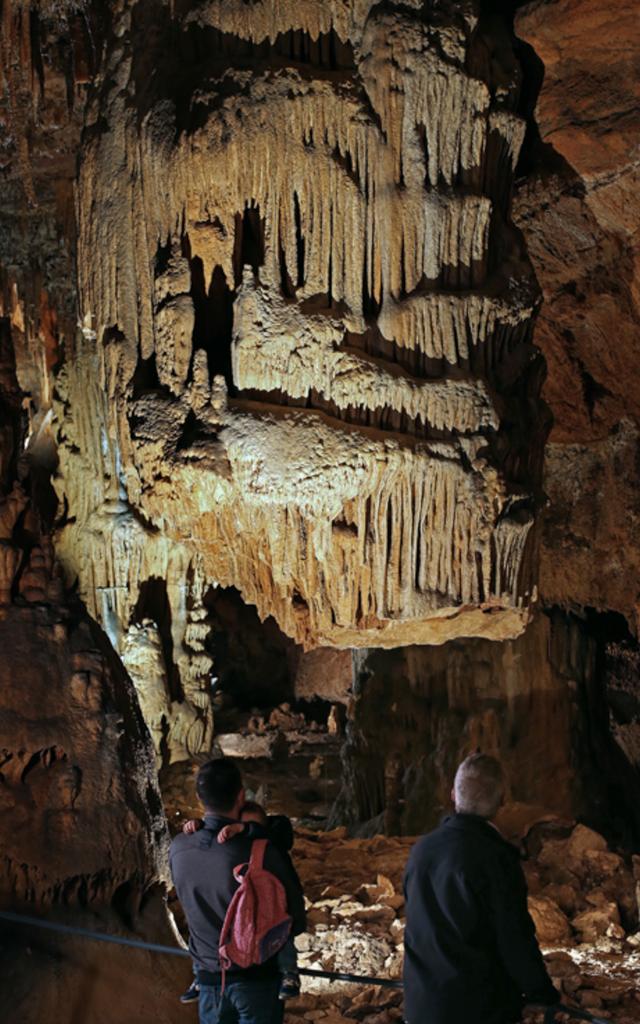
x=551 y=924
x=571 y=984
x=611 y=990
x=602 y=864
x=584 y=840
x=253 y=745
x=560 y=965
x=584 y=854
x=604 y=921
x=554 y=860
x=564 y=895
x=589 y=999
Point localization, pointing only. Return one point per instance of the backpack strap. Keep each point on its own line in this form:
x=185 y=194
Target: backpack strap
x=240 y=871
x=256 y=861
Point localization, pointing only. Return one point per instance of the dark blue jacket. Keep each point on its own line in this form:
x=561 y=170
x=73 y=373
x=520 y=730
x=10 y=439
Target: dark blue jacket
x=470 y=948
x=202 y=871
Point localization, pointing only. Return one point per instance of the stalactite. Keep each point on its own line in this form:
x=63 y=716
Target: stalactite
x=308 y=253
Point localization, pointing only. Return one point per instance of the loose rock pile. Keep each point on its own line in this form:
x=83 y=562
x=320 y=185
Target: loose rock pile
x=583 y=899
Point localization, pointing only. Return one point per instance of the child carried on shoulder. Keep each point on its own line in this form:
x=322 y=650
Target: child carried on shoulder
x=256 y=824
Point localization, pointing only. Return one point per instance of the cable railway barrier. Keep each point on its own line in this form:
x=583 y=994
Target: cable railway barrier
x=154 y=947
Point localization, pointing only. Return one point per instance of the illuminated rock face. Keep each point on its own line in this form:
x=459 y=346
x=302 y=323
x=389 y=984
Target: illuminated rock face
x=306 y=367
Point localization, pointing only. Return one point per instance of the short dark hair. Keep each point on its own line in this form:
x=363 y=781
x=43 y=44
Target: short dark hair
x=251 y=807
x=218 y=784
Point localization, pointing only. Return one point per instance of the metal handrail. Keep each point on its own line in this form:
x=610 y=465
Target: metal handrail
x=358 y=979
x=154 y=947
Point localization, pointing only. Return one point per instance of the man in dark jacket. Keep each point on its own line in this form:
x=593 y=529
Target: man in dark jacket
x=202 y=870
x=470 y=947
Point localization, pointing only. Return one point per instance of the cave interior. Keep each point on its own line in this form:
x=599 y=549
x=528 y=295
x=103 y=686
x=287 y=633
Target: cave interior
x=319 y=449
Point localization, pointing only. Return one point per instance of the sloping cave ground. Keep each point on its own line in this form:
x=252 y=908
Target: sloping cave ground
x=356 y=919
x=584 y=903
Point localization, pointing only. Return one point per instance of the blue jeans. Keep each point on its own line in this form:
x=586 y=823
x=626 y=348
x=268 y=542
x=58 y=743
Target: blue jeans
x=243 y=1002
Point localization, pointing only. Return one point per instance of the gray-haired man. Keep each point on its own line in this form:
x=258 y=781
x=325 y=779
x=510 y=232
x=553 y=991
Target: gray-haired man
x=470 y=947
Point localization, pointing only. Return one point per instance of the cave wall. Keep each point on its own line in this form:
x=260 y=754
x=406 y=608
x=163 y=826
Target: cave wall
x=83 y=832
x=579 y=210
x=77 y=780
x=559 y=707
x=418 y=711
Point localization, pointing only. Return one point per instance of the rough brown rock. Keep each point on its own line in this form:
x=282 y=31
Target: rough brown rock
x=592 y=925
x=584 y=975
x=77 y=782
x=552 y=926
x=580 y=218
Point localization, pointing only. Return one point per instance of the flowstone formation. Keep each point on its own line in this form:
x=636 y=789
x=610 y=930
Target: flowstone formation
x=305 y=369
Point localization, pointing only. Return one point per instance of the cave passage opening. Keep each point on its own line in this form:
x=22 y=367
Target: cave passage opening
x=254 y=662
x=277 y=709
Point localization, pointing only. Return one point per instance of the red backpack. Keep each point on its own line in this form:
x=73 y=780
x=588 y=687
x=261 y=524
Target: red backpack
x=256 y=924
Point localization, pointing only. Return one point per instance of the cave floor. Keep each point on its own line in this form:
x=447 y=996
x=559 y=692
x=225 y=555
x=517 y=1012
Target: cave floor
x=356 y=925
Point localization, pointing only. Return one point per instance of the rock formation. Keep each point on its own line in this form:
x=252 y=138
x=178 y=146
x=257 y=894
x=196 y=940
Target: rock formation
x=305 y=368
x=76 y=772
x=357 y=920
x=267 y=374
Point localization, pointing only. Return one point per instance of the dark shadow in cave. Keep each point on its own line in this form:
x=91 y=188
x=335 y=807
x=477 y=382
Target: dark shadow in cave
x=12 y=418
x=254 y=662
x=598 y=651
x=145 y=379
x=248 y=246
x=294 y=765
x=153 y=603
x=32 y=466
x=213 y=315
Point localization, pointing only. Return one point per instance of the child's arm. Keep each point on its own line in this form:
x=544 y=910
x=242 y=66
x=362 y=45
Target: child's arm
x=229 y=831
x=193 y=825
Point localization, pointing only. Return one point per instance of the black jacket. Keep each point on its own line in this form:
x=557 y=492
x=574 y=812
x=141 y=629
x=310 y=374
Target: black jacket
x=470 y=947
x=202 y=871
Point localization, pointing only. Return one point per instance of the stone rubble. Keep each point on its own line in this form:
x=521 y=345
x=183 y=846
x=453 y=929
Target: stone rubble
x=584 y=899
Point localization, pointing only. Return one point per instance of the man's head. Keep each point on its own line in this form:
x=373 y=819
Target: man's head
x=219 y=787
x=251 y=811
x=479 y=786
